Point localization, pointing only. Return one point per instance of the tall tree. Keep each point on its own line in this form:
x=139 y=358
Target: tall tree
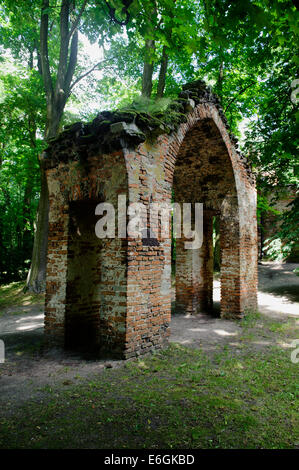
x=246 y=50
x=19 y=173
x=58 y=26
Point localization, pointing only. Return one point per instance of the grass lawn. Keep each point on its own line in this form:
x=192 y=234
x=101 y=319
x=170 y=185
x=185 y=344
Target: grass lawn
x=180 y=398
x=177 y=398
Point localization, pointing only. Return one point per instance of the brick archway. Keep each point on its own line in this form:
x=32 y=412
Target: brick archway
x=204 y=173
x=206 y=170
x=121 y=301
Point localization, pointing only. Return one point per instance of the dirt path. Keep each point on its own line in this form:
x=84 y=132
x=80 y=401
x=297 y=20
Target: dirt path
x=278 y=299
x=26 y=371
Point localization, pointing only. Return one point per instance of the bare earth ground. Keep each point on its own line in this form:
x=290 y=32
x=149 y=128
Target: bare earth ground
x=27 y=370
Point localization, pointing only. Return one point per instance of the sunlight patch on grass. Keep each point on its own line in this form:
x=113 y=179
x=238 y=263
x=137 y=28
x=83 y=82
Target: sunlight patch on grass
x=12 y=295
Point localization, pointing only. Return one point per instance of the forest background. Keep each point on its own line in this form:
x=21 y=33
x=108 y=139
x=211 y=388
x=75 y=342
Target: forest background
x=63 y=61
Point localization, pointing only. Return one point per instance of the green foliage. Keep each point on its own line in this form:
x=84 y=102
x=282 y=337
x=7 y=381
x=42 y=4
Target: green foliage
x=284 y=244
x=157 y=116
x=147 y=105
x=247 y=51
x=21 y=117
x=263 y=206
x=289 y=231
x=275 y=249
x=286 y=239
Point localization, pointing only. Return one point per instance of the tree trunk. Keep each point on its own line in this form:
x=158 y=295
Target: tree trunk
x=217 y=252
x=36 y=280
x=27 y=230
x=162 y=74
x=148 y=68
x=54 y=117
x=56 y=99
x=26 y=238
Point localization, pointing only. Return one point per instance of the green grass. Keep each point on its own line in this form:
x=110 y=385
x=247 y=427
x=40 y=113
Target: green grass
x=12 y=295
x=250 y=319
x=178 y=398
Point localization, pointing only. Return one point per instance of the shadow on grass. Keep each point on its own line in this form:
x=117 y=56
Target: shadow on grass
x=17 y=344
x=291 y=292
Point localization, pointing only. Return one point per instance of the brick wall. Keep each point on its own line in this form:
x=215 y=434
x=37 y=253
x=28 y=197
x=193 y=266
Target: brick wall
x=114 y=295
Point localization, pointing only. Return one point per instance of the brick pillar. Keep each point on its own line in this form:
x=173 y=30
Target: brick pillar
x=194 y=272
x=249 y=252
x=230 y=260
x=57 y=259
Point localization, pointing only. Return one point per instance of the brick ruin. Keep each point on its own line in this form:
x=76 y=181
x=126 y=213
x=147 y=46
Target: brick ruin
x=113 y=295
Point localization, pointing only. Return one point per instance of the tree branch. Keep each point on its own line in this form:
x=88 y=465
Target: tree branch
x=88 y=72
x=72 y=62
x=148 y=68
x=44 y=56
x=64 y=47
x=78 y=18
x=240 y=93
x=162 y=74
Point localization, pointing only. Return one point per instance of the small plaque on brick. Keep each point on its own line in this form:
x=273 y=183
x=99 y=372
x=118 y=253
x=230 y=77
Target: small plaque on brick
x=149 y=239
